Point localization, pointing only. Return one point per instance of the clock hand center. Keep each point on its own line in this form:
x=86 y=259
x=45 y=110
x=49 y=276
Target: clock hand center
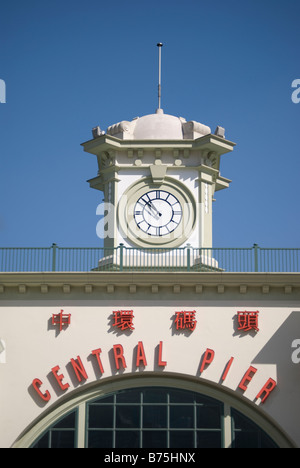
x=154 y=207
x=151 y=213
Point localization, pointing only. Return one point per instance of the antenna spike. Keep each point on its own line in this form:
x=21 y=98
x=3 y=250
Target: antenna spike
x=159 y=45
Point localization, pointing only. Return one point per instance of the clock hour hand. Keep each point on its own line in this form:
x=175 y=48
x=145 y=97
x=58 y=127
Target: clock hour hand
x=153 y=207
x=150 y=212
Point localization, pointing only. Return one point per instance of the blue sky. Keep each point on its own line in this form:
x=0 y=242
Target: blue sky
x=71 y=65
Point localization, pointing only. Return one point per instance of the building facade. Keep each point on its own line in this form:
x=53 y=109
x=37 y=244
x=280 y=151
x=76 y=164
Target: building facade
x=156 y=339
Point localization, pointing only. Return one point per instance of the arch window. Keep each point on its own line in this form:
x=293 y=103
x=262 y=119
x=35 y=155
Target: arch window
x=61 y=435
x=154 y=417
x=246 y=434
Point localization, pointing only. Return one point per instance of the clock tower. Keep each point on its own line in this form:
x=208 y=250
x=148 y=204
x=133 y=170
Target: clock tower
x=159 y=174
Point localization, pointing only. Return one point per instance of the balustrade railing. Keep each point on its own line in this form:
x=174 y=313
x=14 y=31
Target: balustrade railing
x=121 y=258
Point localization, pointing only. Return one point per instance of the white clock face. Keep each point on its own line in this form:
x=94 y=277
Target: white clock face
x=156 y=216
x=157 y=213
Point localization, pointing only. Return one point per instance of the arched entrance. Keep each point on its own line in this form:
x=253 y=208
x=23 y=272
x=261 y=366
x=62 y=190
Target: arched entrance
x=154 y=411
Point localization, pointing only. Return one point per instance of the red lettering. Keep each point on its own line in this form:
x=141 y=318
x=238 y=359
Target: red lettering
x=141 y=360
x=207 y=359
x=79 y=369
x=97 y=352
x=140 y=355
x=36 y=385
x=227 y=369
x=267 y=389
x=59 y=378
x=119 y=356
x=160 y=361
x=247 y=378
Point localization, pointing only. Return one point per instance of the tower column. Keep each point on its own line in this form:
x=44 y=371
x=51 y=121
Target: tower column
x=206 y=181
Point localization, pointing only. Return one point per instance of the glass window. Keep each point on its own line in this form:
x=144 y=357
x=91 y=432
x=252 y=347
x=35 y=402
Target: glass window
x=60 y=435
x=107 y=399
x=155 y=439
x=129 y=396
x=182 y=439
x=209 y=416
x=100 y=416
x=180 y=396
x=208 y=439
x=68 y=422
x=100 y=439
x=43 y=442
x=182 y=416
x=153 y=417
x=246 y=434
x=154 y=395
x=157 y=418
x=127 y=416
x=125 y=439
x=62 y=439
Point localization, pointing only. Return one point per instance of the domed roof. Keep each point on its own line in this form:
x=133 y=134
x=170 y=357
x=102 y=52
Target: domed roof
x=158 y=126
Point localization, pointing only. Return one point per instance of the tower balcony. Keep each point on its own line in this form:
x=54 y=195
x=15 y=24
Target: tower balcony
x=123 y=259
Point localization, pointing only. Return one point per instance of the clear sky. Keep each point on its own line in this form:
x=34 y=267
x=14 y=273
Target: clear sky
x=71 y=65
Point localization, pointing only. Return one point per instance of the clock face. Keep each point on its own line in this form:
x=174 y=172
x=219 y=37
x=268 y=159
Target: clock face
x=156 y=216
x=157 y=213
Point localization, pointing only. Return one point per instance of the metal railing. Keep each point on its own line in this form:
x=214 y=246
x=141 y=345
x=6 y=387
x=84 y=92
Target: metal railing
x=121 y=258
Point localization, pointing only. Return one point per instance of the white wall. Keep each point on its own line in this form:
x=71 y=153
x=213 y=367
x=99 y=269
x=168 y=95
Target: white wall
x=34 y=347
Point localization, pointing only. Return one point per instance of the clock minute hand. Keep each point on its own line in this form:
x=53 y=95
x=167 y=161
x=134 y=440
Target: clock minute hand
x=154 y=207
x=150 y=212
x=148 y=204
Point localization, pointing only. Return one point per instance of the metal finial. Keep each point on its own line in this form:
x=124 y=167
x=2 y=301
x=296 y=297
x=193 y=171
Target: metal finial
x=159 y=45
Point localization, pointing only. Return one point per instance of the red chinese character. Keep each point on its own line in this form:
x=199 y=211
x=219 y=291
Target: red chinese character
x=123 y=319
x=248 y=321
x=61 y=319
x=186 y=320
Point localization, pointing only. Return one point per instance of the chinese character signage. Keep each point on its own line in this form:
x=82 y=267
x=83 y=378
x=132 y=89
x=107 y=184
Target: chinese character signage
x=248 y=321
x=123 y=319
x=61 y=320
x=183 y=320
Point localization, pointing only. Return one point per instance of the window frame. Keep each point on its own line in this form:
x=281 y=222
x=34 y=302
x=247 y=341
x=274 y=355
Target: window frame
x=168 y=429
x=79 y=397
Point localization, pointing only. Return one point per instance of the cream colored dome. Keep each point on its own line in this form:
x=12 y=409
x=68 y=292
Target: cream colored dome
x=158 y=126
